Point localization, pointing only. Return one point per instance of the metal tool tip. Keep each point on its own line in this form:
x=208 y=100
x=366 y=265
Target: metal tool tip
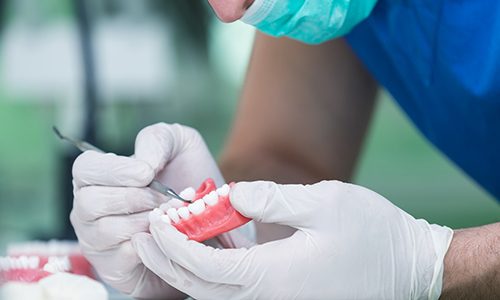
x=58 y=133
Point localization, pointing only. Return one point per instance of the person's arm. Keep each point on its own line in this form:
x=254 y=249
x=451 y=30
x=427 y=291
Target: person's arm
x=302 y=117
x=472 y=264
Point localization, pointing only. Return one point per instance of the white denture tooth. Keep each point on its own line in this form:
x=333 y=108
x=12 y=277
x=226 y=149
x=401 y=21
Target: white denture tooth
x=172 y=214
x=223 y=190
x=188 y=194
x=50 y=268
x=197 y=207
x=15 y=263
x=164 y=207
x=33 y=262
x=19 y=262
x=8 y=263
x=23 y=261
x=4 y=264
x=165 y=219
x=183 y=212
x=200 y=204
x=67 y=264
x=211 y=199
x=57 y=264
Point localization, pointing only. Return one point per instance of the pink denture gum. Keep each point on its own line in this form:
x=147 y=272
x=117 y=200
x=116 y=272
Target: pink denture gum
x=216 y=218
x=33 y=261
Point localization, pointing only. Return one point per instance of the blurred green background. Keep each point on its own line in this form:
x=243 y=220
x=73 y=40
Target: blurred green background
x=155 y=62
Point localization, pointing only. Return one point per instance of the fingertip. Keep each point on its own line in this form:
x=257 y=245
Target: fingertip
x=153 y=145
x=81 y=162
x=244 y=196
x=94 y=168
x=158 y=228
x=135 y=172
x=167 y=236
x=237 y=195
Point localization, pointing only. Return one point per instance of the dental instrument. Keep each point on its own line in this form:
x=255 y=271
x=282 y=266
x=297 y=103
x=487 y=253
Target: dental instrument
x=154 y=185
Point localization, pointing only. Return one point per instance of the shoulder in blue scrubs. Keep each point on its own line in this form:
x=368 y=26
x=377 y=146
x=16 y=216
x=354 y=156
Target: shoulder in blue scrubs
x=440 y=59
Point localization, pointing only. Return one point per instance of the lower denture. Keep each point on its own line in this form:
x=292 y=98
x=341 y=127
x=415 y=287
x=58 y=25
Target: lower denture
x=214 y=220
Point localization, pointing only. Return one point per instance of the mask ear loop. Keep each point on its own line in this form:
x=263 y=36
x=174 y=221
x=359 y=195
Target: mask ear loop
x=248 y=3
x=258 y=11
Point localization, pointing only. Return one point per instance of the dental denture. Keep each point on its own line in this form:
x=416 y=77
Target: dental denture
x=33 y=261
x=209 y=214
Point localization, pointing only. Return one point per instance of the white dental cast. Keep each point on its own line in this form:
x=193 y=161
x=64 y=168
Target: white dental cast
x=212 y=198
x=183 y=212
x=21 y=291
x=72 y=287
x=60 y=286
x=172 y=214
x=188 y=194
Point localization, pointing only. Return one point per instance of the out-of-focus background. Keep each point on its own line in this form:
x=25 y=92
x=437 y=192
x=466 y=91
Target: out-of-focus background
x=104 y=69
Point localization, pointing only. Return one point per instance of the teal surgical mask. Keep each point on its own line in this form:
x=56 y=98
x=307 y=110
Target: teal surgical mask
x=309 y=21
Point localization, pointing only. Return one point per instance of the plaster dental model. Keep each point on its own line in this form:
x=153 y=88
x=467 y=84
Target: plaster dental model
x=209 y=214
x=60 y=286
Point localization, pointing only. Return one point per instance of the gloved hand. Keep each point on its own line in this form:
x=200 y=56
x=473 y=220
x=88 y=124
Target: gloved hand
x=111 y=201
x=350 y=243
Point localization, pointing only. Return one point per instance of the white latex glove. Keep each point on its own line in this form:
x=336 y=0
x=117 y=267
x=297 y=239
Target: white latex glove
x=111 y=201
x=350 y=243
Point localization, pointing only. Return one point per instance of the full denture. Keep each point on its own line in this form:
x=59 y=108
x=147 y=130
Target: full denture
x=31 y=262
x=210 y=213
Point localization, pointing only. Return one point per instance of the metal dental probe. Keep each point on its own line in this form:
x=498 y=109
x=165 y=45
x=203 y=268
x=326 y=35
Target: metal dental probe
x=154 y=185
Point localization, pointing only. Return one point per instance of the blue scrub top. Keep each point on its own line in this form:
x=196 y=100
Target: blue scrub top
x=440 y=59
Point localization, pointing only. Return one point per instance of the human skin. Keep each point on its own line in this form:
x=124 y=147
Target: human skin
x=230 y=10
x=472 y=264
x=299 y=120
x=302 y=118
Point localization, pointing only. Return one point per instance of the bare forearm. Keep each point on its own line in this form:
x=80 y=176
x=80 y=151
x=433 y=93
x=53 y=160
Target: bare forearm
x=303 y=113
x=302 y=117
x=472 y=264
